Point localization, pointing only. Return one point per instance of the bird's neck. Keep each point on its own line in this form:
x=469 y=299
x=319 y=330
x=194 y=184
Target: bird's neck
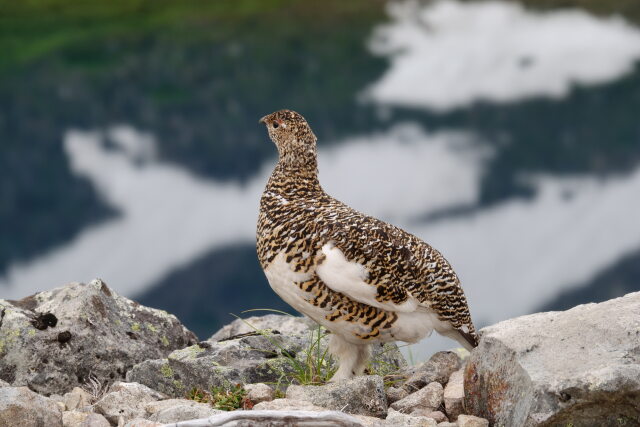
x=290 y=178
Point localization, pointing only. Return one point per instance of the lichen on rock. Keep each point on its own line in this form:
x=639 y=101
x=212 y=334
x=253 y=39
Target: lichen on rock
x=59 y=339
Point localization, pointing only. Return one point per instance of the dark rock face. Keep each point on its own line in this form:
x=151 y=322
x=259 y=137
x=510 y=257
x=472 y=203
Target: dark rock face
x=579 y=367
x=55 y=340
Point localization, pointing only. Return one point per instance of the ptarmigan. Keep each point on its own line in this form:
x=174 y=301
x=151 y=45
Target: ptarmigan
x=363 y=279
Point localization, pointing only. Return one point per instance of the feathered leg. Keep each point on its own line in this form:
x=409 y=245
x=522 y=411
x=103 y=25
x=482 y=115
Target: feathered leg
x=352 y=358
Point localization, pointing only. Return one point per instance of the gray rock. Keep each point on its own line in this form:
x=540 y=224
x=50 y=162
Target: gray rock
x=83 y=419
x=253 y=358
x=578 y=367
x=126 y=401
x=95 y=420
x=58 y=339
x=245 y=360
x=429 y=397
x=259 y=392
x=454 y=394
x=394 y=394
x=75 y=418
x=176 y=410
x=447 y=424
x=362 y=395
x=472 y=421
x=4 y=384
x=438 y=368
x=287 y=405
x=396 y=418
x=286 y=325
x=436 y=415
x=20 y=406
x=371 y=421
x=58 y=398
x=77 y=398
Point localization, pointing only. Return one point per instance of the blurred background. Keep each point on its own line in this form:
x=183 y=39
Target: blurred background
x=505 y=133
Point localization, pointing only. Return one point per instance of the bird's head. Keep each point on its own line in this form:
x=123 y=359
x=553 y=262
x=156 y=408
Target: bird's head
x=293 y=137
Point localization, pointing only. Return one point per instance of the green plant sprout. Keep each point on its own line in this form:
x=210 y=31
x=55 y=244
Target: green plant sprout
x=226 y=397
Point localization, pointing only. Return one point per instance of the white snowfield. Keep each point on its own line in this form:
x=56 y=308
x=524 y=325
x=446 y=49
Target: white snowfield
x=449 y=54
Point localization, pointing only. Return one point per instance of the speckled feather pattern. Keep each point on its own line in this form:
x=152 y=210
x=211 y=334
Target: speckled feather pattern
x=297 y=218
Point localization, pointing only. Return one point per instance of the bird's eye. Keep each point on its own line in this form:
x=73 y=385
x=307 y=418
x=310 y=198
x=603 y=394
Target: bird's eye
x=275 y=125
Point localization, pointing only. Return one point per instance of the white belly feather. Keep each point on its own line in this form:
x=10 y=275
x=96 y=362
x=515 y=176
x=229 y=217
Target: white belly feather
x=414 y=321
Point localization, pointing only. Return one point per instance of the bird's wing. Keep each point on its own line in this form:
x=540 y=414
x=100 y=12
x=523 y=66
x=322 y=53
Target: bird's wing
x=360 y=261
x=380 y=265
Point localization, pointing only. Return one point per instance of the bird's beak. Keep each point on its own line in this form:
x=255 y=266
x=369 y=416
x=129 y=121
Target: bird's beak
x=263 y=120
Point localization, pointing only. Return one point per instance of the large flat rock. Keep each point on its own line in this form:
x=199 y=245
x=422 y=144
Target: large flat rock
x=579 y=367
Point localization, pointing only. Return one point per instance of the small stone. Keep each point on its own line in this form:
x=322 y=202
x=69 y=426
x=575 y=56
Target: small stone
x=95 y=420
x=20 y=406
x=73 y=418
x=429 y=397
x=176 y=410
x=126 y=401
x=363 y=395
x=77 y=398
x=436 y=415
x=394 y=394
x=288 y=405
x=395 y=418
x=454 y=394
x=83 y=419
x=471 y=421
x=371 y=421
x=259 y=392
x=438 y=368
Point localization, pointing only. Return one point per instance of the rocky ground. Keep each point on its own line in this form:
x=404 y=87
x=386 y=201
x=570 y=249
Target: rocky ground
x=81 y=355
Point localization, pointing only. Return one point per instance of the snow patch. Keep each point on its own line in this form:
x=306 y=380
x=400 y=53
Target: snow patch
x=450 y=54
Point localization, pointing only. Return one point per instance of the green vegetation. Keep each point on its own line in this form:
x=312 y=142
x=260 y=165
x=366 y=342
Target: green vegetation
x=227 y=397
x=166 y=371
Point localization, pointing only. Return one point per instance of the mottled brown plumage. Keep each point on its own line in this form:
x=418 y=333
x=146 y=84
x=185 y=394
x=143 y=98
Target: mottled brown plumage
x=365 y=280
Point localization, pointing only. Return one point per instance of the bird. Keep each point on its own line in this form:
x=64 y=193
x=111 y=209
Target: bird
x=366 y=281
